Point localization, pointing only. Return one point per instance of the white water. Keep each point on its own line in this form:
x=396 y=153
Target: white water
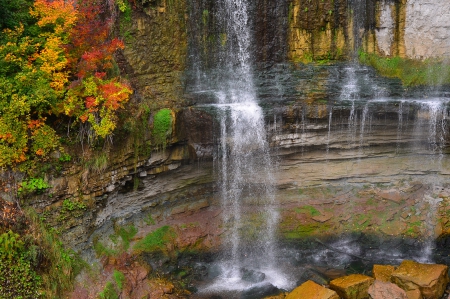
x=244 y=165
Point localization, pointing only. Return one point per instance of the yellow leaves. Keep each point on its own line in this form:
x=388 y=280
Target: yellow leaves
x=59 y=13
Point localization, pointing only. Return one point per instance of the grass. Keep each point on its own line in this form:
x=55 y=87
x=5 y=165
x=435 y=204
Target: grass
x=121 y=239
x=119 y=278
x=430 y=72
x=308 y=210
x=156 y=240
x=62 y=264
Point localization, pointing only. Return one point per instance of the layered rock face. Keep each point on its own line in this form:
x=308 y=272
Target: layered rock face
x=329 y=29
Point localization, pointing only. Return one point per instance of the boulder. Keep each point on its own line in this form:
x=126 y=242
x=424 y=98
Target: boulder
x=252 y=275
x=431 y=280
x=355 y=286
x=414 y=294
x=261 y=291
x=312 y=290
x=386 y=290
x=382 y=272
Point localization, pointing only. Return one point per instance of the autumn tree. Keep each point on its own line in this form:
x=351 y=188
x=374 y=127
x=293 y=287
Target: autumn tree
x=62 y=67
x=97 y=90
x=33 y=75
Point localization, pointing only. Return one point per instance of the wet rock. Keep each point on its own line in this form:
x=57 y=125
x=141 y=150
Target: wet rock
x=260 y=291
x=382 y=272
x=311 y=290
x=252 y=275
x=353 y=286
x=214 y=271
x=431 y=280
x=386 y=290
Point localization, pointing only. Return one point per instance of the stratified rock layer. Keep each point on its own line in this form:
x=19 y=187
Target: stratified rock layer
x=431 y=280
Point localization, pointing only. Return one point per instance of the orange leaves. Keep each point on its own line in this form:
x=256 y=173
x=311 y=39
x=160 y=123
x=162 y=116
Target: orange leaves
x=91 y=103
x=115 y=94
x=35 y=124
x=58 y=13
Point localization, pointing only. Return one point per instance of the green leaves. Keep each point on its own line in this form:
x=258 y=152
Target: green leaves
x=32 y=185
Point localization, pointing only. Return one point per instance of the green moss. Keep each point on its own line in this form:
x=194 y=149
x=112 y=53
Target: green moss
x=413 y=229
x=119 y=278
x=308 y=210
x=109 y=292
x=156 y=240
x=126 y=234
x=430 y=72
x=303 y=231
x=162 y=126
x=102 y=250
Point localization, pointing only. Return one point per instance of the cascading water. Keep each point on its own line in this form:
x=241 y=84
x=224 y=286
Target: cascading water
x=244 y=162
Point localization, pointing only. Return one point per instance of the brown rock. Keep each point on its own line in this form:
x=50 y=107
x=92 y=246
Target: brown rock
x=414 y=294
x=311 y=290
x=324 y=217
x=382 y=272
x=386 y=290
x=392 y=195
x=353 y=286
x=431 y=280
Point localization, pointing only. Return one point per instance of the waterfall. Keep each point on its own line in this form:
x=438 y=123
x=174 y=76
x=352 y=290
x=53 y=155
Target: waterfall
x=244 y=165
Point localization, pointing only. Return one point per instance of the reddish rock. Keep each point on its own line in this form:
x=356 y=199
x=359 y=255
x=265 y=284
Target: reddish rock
x=431 y=280
x=312 y=290
x=355 y=286
x=392 y=195
x=382 y=272
x=323 y=217
x=386 y=290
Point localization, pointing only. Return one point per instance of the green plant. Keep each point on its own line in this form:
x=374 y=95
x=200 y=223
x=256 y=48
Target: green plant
x=71 y=208
x=119 y=278
x=149 y=220
x=411 y=72
x=101 y=250
x=32 y=185
x=109 y=292
x=162 y=126
x=156 y=240
x=308 y=210
x=65 y=157
x=126 y=234
x=61 y=264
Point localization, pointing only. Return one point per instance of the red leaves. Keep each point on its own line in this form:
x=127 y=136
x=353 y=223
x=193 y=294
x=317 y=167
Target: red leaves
x=115 y=93
x=34 y=124
x=91 y=103
x=91 y=48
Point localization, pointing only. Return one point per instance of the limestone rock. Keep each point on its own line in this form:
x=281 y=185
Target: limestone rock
x=431 y=280
x=353 y=286
x=386 y=290
x=382 y=272
x=311 y=290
